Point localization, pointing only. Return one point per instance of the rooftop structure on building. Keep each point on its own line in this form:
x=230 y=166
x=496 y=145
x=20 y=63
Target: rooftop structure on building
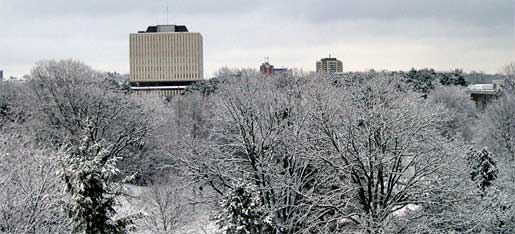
x=165 y=28
x=165 y=59
x=1 y=75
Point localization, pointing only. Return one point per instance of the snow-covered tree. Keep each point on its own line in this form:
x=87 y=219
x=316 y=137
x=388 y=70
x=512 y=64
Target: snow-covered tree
x=483 y=168
x=242 y=212
x=65 y=93
x=455 y=77
x=88 y=171
x=460 y=108
x=30 y=191
x=509 y=72
x=422 y=80
x=13 y=97
x=167 y=207
x=386 y=143
x=259 y=130
x=496 y=128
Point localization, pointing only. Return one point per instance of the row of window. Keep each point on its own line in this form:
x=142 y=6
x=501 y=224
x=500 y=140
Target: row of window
x=166 y=56
x=165 y=45
x=165 y=77
x=165 y=68
x=165 y=92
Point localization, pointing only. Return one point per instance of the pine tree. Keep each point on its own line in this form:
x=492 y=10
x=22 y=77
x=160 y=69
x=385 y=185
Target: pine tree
x=242 y=212
x=89 y=170
x=422 y=80
x=484 y=168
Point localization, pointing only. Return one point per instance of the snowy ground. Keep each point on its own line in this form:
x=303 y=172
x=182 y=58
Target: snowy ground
x=190 y=220
x=197 y=220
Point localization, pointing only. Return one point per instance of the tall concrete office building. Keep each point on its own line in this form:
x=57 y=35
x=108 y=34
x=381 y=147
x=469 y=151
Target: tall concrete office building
x=165 y=59
x=329 y=65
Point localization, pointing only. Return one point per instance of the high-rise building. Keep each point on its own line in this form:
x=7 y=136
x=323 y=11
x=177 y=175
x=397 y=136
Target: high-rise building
x=1 y=75
x=329 y=65
x=165 y=59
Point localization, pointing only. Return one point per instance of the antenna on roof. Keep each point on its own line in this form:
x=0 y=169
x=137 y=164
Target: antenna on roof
x=167 y=12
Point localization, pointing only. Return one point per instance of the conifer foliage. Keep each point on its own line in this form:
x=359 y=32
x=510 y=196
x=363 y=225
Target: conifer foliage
x=89 y=171
x=242 y=212
x=484 y=168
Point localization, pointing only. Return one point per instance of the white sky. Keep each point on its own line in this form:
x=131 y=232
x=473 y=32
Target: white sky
x=381 y=34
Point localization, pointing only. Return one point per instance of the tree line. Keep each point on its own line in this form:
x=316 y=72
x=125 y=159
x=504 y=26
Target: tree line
x=369 y=152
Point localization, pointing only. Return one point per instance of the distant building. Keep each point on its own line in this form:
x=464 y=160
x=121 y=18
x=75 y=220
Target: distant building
x=268 y=69
x=281 y=71
x=329 y=65
x=482 y=94
x=165 y=59
x=1 y=75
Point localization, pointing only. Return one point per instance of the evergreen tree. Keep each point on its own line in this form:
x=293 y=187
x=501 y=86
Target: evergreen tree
x=89 y=170
x=205 y=87
x=422 y=80
x=458 y=78
x=242 y=212
x=484 y=168
x=455 y=77
x=445 y=79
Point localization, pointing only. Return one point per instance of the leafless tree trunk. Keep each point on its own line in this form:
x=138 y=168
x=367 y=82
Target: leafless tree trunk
x=386 y=143
x=30 y=190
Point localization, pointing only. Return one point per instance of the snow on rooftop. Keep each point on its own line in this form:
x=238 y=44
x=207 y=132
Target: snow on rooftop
x=482 y=87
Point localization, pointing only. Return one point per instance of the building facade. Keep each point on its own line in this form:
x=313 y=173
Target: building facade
x=484 y=94
x=165 y=59
x=329 y=65
x=266 y=69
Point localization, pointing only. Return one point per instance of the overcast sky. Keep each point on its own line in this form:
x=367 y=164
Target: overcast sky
x=380 y=34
